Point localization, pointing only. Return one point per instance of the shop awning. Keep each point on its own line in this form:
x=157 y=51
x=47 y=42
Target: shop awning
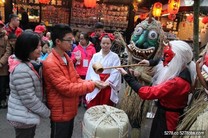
x=118 y=1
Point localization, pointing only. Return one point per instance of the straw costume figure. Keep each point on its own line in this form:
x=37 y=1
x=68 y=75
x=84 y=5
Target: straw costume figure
x=171 y=86
x=195 y=118
x=146 y=43
x=119 y=47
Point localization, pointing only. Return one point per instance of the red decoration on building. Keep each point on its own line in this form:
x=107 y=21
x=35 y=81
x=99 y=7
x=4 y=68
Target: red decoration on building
x=173 y=6
x=205 y=20
x=90 y=3
x=50 y=8
x=157 y=9
x=190 y=18
x=143 y=16
x=171 y=16
x=44 y=1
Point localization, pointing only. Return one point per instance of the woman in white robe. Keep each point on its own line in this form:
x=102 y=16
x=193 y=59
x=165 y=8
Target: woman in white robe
x=111 y=78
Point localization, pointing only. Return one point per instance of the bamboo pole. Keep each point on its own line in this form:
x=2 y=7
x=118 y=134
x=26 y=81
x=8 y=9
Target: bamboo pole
x=98 y=68
x=196 y=29
x=122 y=66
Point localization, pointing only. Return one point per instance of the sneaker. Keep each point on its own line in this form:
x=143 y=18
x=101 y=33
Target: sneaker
x=3 y=104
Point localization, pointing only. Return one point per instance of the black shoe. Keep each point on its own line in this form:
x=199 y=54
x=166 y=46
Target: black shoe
x=7 y=92
x=85 y=106
x=3 y=104
x=79 y=104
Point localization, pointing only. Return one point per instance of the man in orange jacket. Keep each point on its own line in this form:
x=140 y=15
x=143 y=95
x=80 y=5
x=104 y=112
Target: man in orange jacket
x=63 y=84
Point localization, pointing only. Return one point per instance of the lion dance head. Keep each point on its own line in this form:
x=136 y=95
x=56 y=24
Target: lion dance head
x=146 y=40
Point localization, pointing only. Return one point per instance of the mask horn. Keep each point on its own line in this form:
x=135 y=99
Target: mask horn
x=150 y=15
x=165 y=43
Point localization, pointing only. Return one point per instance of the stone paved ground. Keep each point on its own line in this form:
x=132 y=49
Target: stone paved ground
x=43 y=130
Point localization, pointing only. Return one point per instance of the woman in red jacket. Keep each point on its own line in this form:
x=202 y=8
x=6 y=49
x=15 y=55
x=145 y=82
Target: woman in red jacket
x=172 y=83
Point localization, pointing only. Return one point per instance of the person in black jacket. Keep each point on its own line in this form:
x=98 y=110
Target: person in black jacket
x=25 y=20
x=94 y=37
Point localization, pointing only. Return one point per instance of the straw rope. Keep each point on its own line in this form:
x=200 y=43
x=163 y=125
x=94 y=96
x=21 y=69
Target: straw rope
x=195 y=118
x=107 y=112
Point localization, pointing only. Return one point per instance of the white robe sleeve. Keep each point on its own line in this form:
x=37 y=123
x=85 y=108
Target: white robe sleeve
x=115 y=80
x=91 y=75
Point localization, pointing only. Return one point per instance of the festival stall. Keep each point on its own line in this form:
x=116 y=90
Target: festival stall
x=78 y=13
x=49 y=12
x=2 y=8
x=114 y=14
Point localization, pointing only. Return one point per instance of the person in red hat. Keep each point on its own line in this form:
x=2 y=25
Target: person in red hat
x=13 y=25
x=40 y=30
x=5 y=52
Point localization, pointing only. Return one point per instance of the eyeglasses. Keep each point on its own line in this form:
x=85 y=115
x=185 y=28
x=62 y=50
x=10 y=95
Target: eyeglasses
x=69 y=41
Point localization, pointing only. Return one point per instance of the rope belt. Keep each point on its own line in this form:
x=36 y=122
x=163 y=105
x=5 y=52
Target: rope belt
x=179 y=110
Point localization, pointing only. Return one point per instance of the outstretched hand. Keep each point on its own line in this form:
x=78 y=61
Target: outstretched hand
x=101 y=84
x=104 y=84
x=131 y=71
x=98 y=84
x=122 y=71
x=144 y=62
x=134 y=73
x=199 y=63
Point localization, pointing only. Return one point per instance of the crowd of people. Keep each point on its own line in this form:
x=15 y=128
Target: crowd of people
x=49 y=74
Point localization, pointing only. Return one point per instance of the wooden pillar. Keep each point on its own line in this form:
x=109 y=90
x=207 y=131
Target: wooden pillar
x=8 y=9
x=131 y=26
x=196 y=29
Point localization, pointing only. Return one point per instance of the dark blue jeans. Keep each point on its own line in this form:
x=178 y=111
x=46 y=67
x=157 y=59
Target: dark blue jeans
x=25 y=132
x=3 y=86
x=62 y=129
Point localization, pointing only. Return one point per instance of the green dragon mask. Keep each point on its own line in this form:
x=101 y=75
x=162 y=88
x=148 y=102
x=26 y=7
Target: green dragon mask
x=146 y=40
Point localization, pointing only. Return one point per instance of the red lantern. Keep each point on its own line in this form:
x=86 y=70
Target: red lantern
x=171 y=16
x=173 y=6
x=90 y=3
x=44 y=1
x=157 y=9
